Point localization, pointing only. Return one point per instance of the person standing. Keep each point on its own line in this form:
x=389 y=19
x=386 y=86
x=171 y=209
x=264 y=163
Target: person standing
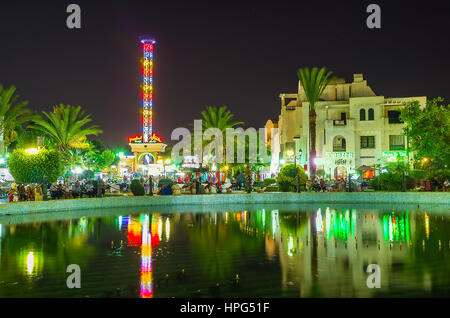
x=150 y=185
x=38 y=194
x=44 y=188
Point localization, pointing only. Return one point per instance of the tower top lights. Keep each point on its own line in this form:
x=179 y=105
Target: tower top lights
x=148 y=46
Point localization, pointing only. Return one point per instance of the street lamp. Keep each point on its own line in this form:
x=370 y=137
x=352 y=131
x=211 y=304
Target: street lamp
x=296 y=170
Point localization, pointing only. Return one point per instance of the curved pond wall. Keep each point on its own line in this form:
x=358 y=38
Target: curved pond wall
x=226 y=199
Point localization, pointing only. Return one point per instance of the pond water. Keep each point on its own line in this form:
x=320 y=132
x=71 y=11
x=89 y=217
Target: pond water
x=236 y=251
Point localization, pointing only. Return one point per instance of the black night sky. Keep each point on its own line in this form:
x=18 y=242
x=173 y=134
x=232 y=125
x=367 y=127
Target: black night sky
x=240 y=54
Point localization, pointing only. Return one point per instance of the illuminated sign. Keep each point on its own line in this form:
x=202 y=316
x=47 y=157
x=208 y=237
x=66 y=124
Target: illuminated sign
x=394 y=155
x=155 y=138
x=138 y=139
x=135 y=139
x=339 y=155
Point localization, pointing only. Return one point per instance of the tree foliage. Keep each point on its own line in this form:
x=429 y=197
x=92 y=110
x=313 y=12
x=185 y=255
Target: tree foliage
x=26 y=167
x=65 y=126
x=13 y=114
x=287 y=178
x=314 y=83
x=428 y=132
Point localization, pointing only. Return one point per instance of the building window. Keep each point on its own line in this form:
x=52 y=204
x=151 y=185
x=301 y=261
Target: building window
x=362 y=114
x=396 y=142
x=394 y=117
x=339 y=144
x=371 y=114
x=367 y=142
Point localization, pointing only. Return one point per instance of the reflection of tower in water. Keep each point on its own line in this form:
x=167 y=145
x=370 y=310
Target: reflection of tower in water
x=145 y=233
x=146 y=290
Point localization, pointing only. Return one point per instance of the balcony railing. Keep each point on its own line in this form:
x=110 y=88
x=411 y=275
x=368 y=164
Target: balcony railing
x=339 y=122
x=396 y=147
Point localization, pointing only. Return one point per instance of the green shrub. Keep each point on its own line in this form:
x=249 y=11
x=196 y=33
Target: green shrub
x=25 y=167
x=136 y=188
x=165 y=181
x=387 y=181
x=287 y=180
x=268 y=181
x=272 y=189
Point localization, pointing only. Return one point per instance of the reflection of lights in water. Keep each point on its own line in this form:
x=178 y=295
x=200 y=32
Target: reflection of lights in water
x=82 y=224
x=226 y=217
x=353 y=224
x=134 y=233
x=391 y=229
x=396 y=227
x=167 y=229
x=160 y=228
x=290 y=246
x=30 y=262
x=319 y=221
x=427 y=225
x=125 y=221
x=263 y=218
x=146 y=288
x=120 y=222
x=274 y=222
x=328 y=221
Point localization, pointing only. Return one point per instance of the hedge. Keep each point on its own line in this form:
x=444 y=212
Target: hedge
x=27 y=168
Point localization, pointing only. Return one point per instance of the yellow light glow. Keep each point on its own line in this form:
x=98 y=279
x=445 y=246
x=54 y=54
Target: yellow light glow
x=290 y=246
x=290 y=153
x=30 y=262
x=160 y=161
x=32 y=151
x=168 y=161
x=167 y=229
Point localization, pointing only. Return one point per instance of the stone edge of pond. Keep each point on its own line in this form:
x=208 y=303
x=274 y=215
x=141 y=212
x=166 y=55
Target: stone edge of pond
x=223 y=199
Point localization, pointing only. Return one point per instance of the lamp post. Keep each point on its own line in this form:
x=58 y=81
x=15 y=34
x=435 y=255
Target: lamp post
x=298 y=176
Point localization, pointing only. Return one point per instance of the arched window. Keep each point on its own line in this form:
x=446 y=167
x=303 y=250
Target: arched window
x=371 y=114
x=339 y=144
x=362 y=114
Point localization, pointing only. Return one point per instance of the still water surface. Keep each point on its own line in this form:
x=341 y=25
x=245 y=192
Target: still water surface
x=256 y=251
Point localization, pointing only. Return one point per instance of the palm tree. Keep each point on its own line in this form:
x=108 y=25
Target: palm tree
x=220 y=118
x=64 y=126
x=314 y=83
x=12 y=114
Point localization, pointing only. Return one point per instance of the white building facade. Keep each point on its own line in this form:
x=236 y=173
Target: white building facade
x=355 y=128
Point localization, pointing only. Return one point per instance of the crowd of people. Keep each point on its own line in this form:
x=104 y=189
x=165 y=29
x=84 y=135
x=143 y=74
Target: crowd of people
x=57 y=190
x=97 y=188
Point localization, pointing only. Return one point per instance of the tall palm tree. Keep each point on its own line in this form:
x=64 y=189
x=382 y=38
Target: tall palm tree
x=12 y=114
x=314 y=83
x=220 y=118
x=65 y=127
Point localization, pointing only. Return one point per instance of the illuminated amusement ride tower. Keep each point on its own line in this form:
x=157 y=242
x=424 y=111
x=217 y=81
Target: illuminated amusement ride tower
x=147 y=146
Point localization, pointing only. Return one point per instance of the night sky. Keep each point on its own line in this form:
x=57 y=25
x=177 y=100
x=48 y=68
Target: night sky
x=240 y=54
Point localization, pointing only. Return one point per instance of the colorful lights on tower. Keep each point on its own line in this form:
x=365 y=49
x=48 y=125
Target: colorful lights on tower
x=148 y=46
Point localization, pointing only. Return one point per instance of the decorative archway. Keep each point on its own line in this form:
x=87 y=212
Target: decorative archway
x=147 y=158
